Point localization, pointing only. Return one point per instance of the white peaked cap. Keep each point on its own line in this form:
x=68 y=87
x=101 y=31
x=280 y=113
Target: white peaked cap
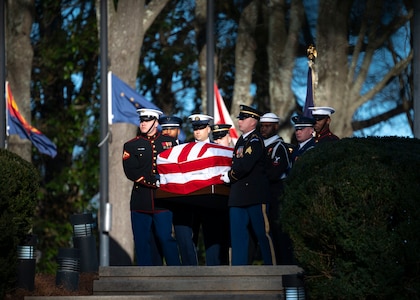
x=269 y=118
x=148 y=112
x=322 y=110
x=200 y=117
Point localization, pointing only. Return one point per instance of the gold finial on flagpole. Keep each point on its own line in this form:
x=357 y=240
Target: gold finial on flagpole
x=311 y=52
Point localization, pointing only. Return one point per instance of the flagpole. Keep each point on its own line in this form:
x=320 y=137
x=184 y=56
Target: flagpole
x=103 y=153
x=310 y=95
x=2 y=76
x=210 y=58
x=416 y=68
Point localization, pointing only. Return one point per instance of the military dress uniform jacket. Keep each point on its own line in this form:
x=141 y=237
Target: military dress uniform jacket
x=299 y=151
x=139 y=163
x=326 y=136
x=249 y=182
x=277 y=159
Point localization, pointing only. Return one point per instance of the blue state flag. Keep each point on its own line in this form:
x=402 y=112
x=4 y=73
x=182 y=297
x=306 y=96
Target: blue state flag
x=124 y=102
x=17 y=124
x=309 y=102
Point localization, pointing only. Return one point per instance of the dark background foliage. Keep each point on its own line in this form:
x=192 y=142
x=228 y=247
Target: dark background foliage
x=65 y=41
x=20 y=183
x=352 y=209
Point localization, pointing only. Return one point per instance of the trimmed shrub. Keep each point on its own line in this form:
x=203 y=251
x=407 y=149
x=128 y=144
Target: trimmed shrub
x=19 y=184
x=352 y=210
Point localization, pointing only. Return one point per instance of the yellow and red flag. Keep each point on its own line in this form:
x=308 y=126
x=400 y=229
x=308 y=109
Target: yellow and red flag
x=16 y=124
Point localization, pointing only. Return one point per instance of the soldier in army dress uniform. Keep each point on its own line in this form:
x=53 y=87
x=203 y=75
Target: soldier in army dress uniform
x=139 y=163
x=249 y=191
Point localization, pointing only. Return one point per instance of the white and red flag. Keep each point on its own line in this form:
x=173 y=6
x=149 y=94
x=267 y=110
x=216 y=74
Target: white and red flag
x=222 y=116
x=189 y=167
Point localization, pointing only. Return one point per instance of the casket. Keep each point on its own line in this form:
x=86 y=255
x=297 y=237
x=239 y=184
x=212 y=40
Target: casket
x=190 y=173
x=214 y=196
x=189 y=167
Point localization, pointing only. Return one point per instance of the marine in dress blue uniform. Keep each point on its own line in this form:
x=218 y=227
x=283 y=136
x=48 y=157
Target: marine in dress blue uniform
x=139 y=163
x=249 y=191
x=322 y=116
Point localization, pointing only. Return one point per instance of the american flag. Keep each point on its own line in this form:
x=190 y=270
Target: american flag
x=189 y=167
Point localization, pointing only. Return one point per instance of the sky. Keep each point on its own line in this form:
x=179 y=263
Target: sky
x=397 y=126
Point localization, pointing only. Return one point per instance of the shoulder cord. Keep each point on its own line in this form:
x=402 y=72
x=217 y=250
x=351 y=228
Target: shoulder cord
x=280 y=142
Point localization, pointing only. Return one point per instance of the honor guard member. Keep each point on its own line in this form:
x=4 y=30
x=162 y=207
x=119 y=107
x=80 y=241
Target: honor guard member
x=139 y=163
x=201 y=127
x=211 y=220
x=249 y=191
x=182 y=213
x=322 y=116
x=221 y=136
x=304 y=131
x=278 y=163
x=171 y=126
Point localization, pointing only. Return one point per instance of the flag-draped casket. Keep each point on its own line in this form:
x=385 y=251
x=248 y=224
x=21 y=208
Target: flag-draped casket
x=189 y=167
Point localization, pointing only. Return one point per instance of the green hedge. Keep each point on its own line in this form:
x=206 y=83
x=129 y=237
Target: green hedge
x=19 y=184
x=352 y=210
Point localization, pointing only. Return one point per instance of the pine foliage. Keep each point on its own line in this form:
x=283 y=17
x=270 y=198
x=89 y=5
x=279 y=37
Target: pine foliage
x=352 y=209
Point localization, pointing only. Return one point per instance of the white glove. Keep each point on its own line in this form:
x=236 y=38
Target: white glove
x=157 y=183
x=225 y=177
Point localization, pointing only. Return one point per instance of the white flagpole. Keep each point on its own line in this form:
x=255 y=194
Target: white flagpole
x=110 y=115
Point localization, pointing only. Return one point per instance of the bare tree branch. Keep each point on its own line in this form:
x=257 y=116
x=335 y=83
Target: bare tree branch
x=357 y=50
x=377 y=38
x=153 y=9
x=397 y=69
x=358 y=125
x=373 y=16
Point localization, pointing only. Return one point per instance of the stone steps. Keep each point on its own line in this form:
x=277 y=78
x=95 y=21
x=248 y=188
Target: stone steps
x=188 y=282
x=192 y=280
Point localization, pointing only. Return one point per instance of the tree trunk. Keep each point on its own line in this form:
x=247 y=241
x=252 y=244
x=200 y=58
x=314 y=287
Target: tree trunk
x=281 y=52
x=126 y=28
x=19 y=56
x=332 y=47
x=245 y=57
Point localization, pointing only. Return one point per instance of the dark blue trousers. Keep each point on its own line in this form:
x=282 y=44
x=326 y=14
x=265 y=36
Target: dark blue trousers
x=141 y=224
x=183 y=220
x=240 y=218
